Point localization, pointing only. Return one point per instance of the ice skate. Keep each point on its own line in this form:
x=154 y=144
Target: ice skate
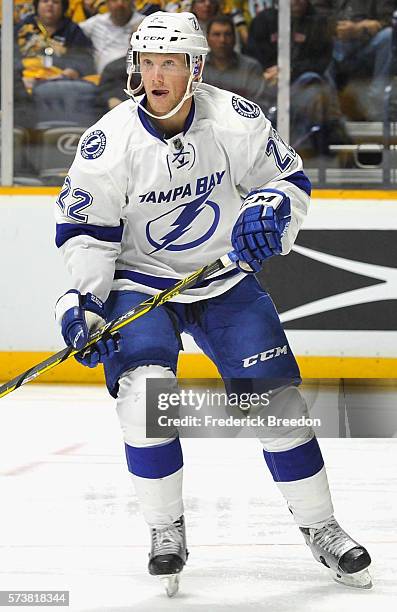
x=168 y=554
x=346 y=559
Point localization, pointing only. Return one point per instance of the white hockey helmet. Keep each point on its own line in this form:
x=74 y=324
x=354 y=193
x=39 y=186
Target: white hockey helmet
x=163 y=32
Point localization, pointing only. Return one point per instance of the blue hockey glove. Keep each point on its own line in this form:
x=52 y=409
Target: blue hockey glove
x=78 y=315
x=257 y=233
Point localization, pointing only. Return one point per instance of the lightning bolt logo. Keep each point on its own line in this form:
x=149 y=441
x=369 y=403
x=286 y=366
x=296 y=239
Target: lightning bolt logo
x=192 y=215
x=93 y=145
x=182 y=223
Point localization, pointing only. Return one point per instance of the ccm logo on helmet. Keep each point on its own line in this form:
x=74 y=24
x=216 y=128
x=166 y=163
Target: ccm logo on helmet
x=154 y=38
x=269 y=354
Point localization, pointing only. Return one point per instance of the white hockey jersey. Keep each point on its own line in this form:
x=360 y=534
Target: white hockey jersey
x=138 y=211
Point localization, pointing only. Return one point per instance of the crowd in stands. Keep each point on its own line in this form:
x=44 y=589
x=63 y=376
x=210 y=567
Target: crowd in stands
x=51 y=46
x=341 y=54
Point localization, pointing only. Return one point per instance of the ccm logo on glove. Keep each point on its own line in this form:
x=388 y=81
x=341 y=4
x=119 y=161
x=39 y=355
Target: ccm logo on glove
x=257 y=233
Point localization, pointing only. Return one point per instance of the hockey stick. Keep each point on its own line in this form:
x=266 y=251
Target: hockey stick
x=138 y=311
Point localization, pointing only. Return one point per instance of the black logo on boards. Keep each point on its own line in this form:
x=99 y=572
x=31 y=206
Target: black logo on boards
x=336 y=280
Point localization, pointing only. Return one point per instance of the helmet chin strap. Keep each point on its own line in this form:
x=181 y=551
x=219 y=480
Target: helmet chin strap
x=133 y=92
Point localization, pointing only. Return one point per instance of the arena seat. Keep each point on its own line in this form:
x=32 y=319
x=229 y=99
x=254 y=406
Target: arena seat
x=23 y=173
x=55 y=150
x=65 y=102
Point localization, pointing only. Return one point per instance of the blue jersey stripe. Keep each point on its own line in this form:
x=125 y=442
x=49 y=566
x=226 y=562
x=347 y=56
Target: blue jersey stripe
x=300 y=180
x=157 y=282
x=64 y=231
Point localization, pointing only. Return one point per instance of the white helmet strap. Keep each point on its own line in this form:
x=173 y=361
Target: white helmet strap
x=133 y=92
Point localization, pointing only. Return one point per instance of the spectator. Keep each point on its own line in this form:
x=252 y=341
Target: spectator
x=80 y=10
x=22 y=101
x=51 y=46
x=110 y=33
x=239 y=11
x=362 y=50
x=204 y=11
x=230 y=70
x=112 y=84
x=315 y=104
x=311 y=41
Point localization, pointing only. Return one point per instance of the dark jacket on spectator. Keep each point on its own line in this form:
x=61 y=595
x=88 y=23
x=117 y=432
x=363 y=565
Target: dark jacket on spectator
x=113 y=83
x=311 y=41
x=243 y=77
x=356 y=10
x=72 y=49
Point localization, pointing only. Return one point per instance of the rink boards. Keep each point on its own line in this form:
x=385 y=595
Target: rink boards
x=336 y=292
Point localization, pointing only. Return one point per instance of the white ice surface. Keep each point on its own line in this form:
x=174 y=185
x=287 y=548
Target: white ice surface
x=69 y=518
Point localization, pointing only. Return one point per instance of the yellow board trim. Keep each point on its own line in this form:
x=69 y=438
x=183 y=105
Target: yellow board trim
x=29 y=191
x=329 y=194
x=353 y=194
x=197 y=365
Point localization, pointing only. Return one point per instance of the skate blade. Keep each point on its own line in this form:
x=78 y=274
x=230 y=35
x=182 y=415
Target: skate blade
x=171 y=583
x=359 y=580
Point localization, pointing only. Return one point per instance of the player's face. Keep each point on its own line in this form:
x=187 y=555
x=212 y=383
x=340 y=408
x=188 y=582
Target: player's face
x=165 y=78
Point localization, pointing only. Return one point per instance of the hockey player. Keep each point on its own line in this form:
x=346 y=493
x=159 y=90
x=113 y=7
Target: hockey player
x=163 y=184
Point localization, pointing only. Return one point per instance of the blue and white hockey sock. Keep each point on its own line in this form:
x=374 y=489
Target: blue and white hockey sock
x=300 y=475
x=157 y=475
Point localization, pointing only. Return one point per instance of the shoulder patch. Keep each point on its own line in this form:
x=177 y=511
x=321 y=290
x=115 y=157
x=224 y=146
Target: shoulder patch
x=93 y=145
x=245 y=108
